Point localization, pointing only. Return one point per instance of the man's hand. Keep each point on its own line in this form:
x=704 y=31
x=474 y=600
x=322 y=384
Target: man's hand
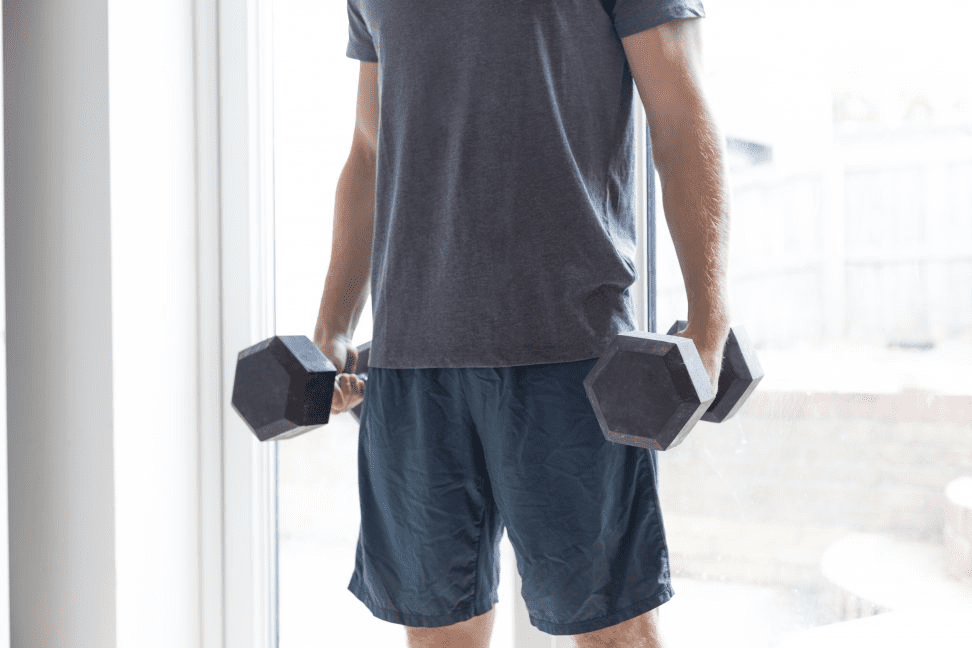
x=348 y=393
x=348 y=388
x=710 y=340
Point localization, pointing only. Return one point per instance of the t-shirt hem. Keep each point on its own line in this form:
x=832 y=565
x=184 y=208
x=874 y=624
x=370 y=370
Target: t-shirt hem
x=483 y=362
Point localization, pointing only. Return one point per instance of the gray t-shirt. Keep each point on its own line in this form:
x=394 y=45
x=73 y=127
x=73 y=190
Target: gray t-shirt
x=505 y=188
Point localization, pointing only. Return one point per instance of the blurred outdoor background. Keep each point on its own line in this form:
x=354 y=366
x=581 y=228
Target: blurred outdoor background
x=833 y=507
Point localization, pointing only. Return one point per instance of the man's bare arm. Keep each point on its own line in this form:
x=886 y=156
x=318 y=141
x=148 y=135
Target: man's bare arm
x=348 y=280
x=690 y=154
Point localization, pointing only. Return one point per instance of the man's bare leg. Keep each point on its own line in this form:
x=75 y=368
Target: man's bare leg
x=639 y=632
x=471 y=633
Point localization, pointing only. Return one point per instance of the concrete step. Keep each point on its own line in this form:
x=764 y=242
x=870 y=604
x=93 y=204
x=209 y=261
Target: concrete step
x=869 y=368
x=958 y=528
x=755 y=552
x=873 y=573
x=899 y=629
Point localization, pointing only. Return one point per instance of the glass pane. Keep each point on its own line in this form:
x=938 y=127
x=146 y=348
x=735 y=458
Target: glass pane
x=315 y=89
x=824 y=500
x=830 y=509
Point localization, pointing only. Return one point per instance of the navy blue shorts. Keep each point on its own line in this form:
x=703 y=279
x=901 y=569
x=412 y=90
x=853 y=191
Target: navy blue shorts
x=448 y=457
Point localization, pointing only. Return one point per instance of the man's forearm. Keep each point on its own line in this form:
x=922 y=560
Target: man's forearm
x=348 y=280
x=695 y=193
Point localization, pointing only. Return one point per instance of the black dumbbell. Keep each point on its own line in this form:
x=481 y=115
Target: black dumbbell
x=284 y=386
x=649 y=390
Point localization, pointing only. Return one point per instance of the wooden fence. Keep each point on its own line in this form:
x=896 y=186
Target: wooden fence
x=872 y=244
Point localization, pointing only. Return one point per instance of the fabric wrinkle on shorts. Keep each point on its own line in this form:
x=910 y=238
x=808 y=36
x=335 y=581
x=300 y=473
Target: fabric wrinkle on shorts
x=449 y=457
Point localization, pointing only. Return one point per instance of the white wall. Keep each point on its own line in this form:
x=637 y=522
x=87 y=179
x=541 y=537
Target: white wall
x=154 y=322
x=4 y=528
x=59 y=311
x=138 y=509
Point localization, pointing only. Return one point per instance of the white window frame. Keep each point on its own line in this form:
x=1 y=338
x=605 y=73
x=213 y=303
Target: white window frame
x=238 y=474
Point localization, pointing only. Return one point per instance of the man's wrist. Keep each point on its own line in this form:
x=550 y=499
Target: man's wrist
x=323 y=333
x=713 y=317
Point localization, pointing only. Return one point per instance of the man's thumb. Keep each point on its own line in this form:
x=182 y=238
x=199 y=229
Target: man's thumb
x=352 y=360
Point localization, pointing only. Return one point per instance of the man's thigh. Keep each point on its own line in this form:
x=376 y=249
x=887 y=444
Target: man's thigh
x=582 y=513
x=428 y=546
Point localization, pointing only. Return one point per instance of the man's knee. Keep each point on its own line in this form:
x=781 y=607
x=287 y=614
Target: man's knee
x=639 y=632
x=474 y=633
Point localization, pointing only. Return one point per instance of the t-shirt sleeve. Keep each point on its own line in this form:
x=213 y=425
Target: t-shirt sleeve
x=633 y=16
x=360 y=44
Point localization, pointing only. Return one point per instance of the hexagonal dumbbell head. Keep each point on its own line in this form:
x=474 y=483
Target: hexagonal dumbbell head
x=648 y=390
x=740 y=374
x=283 y=387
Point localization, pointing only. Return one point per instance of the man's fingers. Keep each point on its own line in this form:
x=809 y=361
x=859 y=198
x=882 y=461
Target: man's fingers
x=348 y=393
x=340 y=394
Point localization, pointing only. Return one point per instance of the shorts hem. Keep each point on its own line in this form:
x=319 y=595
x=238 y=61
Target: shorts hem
x=630 y=612
x=419 y=620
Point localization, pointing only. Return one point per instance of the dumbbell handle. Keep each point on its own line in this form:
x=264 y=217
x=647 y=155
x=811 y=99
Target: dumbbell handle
x=739 y=361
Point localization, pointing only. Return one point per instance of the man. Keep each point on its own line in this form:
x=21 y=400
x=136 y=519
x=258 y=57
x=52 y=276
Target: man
x=488 y=205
